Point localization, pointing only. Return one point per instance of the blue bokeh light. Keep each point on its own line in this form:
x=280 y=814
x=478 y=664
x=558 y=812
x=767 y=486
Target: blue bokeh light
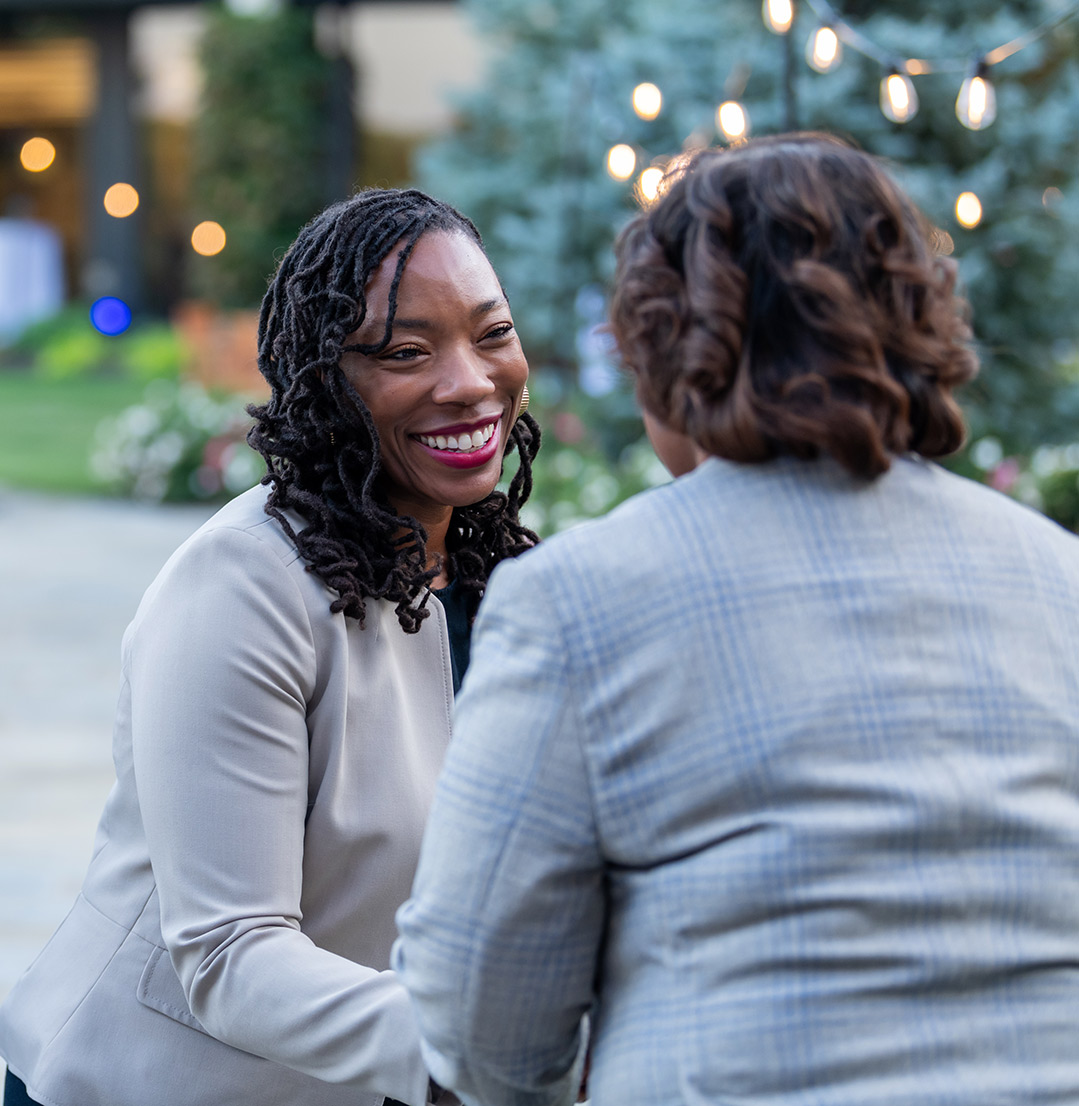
x=110 y=315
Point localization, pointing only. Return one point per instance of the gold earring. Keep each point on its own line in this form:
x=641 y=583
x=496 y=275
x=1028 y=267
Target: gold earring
x=333 y=440
x=524 y=401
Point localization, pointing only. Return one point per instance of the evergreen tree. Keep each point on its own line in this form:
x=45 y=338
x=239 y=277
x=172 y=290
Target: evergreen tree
x=1019 y=265
x=528 y=159
x=261 y=143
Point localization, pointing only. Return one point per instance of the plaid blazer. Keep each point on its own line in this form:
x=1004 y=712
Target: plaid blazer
x=776 y=774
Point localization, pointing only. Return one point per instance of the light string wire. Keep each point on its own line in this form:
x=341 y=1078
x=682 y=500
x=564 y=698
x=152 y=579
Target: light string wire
x=827 y=16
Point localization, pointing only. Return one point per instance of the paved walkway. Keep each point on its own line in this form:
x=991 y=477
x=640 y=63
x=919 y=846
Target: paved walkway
x=71 y=575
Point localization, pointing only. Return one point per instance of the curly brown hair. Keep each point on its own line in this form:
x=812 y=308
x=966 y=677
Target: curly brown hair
x=783 y=297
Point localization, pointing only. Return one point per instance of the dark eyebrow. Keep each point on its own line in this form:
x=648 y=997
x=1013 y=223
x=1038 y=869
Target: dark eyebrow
x=379 y=325
x=487 y=305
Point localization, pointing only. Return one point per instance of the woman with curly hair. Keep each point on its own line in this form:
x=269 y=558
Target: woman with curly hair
x=774 y=771
x=288 y=684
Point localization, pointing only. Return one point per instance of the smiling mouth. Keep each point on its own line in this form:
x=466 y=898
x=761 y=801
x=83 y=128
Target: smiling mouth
x=460 y=443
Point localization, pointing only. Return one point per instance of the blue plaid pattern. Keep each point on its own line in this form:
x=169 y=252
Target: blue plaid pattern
x=776 y=774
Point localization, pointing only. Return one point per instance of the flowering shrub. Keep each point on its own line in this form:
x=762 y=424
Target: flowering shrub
x=1047 y=480
x=65 y=346
x=594 y=455
x=181 y=443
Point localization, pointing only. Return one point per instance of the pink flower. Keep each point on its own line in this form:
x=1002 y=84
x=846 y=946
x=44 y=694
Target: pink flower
x=1004 y=475
x=568 y=428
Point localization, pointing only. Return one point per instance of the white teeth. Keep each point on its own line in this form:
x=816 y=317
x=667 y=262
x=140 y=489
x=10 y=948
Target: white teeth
x=461 y=443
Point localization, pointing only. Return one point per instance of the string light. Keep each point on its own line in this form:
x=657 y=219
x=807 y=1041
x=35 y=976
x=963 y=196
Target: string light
x=647 y=100
x=621 y=161
x=208 y=238
x=778 y=15
x=648 y=183
x=976 y=104
x=968 y=210
x=824 y=51
x=732 y=121
x=121 y=200
x=898 y=100
x=37 y=154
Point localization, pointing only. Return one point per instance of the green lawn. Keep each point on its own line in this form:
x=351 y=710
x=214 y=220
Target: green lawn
x=47 y=428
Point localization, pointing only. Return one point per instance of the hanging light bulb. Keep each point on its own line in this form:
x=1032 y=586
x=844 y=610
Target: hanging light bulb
x=621 y=161
x=968 y=210
x=647 y=100
x=648 y=184
x=732 y=121
x=976 y=104
x=824 y=51
x=898 y=100
x=778 y=15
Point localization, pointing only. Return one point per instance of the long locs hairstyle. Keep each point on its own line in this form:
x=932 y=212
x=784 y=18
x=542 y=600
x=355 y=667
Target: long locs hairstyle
x=317 y=436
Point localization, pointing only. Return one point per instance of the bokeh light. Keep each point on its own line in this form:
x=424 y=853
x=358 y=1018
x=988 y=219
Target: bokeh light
x=647 y=100
x=968 y=209
x=732 y=121
x=976 y=104
x=648 y=183
x=110 y=315
x=37 y=154
x=621 y=161
x=898 y=100
x=778 y=15
x=208 y=238
x=824 y=50
x=121 y=200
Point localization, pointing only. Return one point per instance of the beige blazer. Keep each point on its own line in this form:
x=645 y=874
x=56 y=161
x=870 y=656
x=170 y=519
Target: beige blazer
x=274 y=767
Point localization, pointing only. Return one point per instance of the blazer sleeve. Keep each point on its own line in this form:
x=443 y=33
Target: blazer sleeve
x=222 y=666
x=499 y=941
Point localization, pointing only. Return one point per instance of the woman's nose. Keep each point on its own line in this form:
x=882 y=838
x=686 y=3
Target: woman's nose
x=464 y=378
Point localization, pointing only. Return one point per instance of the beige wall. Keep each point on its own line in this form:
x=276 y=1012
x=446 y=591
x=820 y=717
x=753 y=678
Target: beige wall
x=164 y=41
x=408 y=58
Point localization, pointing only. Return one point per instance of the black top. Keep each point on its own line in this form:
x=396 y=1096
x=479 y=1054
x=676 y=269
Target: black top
x=459 y=623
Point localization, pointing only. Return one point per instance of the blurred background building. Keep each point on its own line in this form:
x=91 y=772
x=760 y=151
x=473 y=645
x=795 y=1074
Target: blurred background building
x=100 y=102
x=157 y=157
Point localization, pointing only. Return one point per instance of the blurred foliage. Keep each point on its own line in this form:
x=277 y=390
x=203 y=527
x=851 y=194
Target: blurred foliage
x=151 y=351
x=46 y=427
x=65 y=346
x=587 y=463
x=180 y=443
x=260 y=145
x=527 y=163
x=1046 y=479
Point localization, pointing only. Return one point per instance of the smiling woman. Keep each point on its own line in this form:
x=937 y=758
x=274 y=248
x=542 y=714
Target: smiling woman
x=339 y=338
x=288 y=683
x=442 y=382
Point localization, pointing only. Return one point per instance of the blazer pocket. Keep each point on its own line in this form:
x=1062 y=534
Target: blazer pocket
x=160 y=990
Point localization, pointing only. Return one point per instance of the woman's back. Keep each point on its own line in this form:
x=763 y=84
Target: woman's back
x=833 y=734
